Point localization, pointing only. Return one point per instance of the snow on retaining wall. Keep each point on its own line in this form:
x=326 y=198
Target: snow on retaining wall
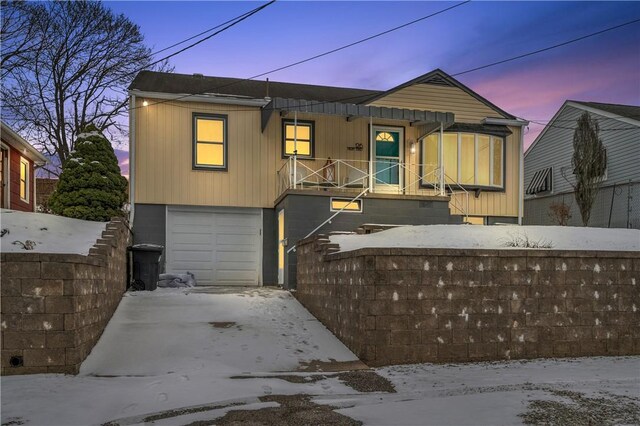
x=56 y=306
x=392 y=306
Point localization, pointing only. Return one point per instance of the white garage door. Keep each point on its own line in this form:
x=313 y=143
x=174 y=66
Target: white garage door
x=219 y=246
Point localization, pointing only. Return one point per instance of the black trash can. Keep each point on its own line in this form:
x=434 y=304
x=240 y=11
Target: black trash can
x=146 y=266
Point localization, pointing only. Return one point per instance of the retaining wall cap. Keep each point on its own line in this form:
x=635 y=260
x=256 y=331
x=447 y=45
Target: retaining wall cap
x=21 y=257
x=370 y=251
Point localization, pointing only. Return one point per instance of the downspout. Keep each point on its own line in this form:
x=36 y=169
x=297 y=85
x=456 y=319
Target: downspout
x=441 y=159
x=132 y=158
x=521 y=178
x=35 y=185
x=371 y=153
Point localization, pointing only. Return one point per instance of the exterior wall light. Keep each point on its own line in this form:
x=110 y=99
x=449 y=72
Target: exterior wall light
x=145 y=103
x=413 y=147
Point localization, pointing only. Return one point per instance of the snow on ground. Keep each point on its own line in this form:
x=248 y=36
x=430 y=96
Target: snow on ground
x=494 y=237
x=488 y=393
x=52 y=234
x=173 y=348
x=181 y=356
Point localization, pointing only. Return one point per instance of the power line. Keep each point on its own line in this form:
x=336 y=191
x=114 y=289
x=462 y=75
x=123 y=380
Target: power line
x=547 y=48
x=320 y=54
x=397 y=28
x=199 y=34
x=235 y=22
x=573 y=128
x=230 y=23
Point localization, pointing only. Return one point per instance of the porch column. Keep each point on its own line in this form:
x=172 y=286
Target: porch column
x=371 y=151
x=295 y=148
x=441 y=159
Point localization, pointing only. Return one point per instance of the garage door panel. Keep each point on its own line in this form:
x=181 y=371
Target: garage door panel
x=218 y=247
x=236 y=239
x=235 y=256
x=235 y=220
x=233 y=275
x=191 y=218
x=192 y=256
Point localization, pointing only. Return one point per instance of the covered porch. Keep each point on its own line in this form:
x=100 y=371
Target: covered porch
x=364 y=149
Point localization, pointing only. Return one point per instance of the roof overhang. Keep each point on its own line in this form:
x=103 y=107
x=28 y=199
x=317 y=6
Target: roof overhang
x=604 y=113
x=352 y=111
x=18 y=142
x=214 y=98
x=505 y=122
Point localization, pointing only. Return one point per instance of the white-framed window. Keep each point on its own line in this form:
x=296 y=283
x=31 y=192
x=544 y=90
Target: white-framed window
x=210 y=141
x=298 y=138
x=470 y=159
x=24 y=179
x=345 y=205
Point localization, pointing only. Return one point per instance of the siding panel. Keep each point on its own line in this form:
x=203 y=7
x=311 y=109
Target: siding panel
x=431 y=97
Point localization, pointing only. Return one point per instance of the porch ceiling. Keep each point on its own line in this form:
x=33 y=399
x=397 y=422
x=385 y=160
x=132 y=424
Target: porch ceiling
x=416 y=117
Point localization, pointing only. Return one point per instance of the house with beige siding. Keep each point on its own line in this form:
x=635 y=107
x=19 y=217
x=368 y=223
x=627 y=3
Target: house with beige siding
x=228 y=174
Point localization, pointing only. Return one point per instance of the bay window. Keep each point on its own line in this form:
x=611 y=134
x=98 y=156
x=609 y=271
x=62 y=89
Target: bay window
x=470 y=159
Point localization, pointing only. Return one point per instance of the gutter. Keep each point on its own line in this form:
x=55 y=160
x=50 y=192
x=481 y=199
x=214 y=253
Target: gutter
x=206 y=98
x=37 y=157
x=522 y=124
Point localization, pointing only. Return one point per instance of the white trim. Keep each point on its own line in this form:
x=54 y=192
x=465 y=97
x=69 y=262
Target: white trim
x=604 y=113
x=132 y=159
x=24 y=147
x=520 y=176
x=357 y=202
x=27 y=179
x=505 y=122
x=214 y=98
x=7 y=175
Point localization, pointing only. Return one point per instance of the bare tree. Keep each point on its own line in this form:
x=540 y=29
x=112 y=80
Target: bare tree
x=69 y=69
x=20 y=33
x=589 y=163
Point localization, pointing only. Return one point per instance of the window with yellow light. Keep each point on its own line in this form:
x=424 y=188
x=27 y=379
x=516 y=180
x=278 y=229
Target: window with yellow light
x=297 y=138
x=210 y=141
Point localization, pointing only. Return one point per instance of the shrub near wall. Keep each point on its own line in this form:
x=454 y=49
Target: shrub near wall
x=56 y=306
x=393 y=306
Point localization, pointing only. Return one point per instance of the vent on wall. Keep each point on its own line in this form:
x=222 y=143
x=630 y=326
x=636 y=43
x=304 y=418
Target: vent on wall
x=437 y=80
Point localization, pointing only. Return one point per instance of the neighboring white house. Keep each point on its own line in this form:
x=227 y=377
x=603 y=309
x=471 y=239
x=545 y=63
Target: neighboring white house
x=548 y=174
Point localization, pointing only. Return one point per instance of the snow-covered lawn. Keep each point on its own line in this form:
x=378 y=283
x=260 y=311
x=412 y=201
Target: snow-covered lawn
x=51 y=234
x=494 y=237
x=178 y=356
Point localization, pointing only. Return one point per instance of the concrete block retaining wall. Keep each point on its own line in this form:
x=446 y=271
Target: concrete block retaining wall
x=394 y=306
x=56 y=306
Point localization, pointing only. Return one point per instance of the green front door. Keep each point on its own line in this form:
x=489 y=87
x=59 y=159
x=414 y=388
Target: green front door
x=386 y=156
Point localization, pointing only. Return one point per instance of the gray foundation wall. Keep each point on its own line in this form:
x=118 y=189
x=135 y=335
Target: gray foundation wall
x=615 y=207
x=303 y=213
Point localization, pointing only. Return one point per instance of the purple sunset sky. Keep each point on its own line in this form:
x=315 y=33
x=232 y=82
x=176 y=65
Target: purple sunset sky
x=604 y=68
